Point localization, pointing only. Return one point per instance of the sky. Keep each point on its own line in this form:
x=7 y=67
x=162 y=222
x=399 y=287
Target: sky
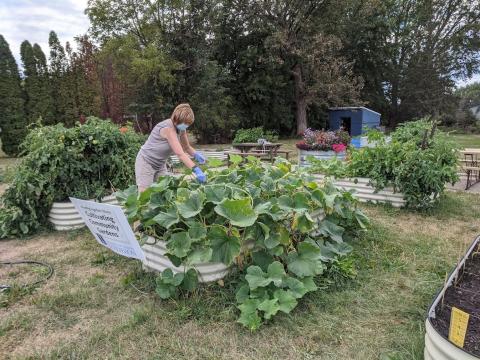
x=32 y=20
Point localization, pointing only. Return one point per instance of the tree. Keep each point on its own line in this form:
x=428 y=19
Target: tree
x=13 y=122
x=320 y=74
x=39 y=103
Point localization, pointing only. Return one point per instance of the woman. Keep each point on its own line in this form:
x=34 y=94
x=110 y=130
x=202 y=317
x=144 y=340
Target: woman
x=167 y=137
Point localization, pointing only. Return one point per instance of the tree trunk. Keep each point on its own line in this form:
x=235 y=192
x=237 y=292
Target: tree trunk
x=300 y=100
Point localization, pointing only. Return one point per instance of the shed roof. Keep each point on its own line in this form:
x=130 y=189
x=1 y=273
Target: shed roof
x=353 y=108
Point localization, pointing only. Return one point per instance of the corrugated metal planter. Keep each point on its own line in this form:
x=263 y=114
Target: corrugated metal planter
x=438 y=347
x=367 y=193
x=155 y=259
x=320 y=155
x=64 y=216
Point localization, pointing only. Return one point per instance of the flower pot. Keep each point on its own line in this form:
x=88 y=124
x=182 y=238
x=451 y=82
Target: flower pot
x=156 y=260
x=366 y=192
x=64 y=216
x=437 y=345
x=320 y=155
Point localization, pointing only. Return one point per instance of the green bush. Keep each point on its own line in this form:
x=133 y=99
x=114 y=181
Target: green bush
x=253 y=134
x=418 y=161
x=278 y=228
x=86 y=161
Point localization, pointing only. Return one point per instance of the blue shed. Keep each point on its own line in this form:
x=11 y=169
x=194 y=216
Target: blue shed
x=353 y=119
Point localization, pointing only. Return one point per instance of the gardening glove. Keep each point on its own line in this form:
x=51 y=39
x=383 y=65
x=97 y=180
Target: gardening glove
x=199 y=158
x=201 y=177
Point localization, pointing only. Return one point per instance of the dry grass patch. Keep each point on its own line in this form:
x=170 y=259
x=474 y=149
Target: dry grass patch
x=87 y=311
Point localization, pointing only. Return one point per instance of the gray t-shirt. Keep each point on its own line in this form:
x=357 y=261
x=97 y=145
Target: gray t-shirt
x=156 y=149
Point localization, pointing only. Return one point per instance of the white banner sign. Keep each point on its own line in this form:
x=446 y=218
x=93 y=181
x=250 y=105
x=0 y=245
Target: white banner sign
x=110 y=227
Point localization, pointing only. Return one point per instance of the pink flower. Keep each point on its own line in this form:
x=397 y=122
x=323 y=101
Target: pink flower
x=338 y=148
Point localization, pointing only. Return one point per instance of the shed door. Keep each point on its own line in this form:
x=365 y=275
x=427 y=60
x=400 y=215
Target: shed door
x=346 y=124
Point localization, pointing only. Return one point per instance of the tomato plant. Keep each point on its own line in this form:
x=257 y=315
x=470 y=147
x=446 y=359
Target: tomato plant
x=418 y=162
x=278 y=227
x=85 y=161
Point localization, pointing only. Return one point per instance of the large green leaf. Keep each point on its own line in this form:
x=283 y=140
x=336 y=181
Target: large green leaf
x=190 y=280
x=216 y=193
x=179 y=244
x=270 y=307
x=332 y=230
x=303 y=222
x=189 y=203
x=306 y=261
x=239 y=212
x=256 y=277
x=286 y=300
x=197 y=231
x=249 y=314
x=200 y=255
x=167 y=219
x=225 y=247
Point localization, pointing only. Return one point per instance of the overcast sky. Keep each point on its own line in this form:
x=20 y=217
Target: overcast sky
x=32 y=20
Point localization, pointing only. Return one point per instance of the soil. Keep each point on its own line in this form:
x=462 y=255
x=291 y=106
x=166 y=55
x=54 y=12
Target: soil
x=463 y=294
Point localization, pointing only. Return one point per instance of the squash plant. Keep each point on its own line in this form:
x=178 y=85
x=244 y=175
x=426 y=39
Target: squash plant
x=278 y=227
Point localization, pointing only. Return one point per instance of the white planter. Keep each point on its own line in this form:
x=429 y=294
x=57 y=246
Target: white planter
x=64 y=216
x=155 y=259
x=320 y=155
x=438 y=347
x=367 y=193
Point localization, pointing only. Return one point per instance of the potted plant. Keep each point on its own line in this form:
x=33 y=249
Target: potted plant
x=322 y=145
x=85 y=161
x=447 y=338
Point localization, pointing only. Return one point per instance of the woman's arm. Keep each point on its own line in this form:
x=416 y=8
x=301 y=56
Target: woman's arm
x=186 y=144
x=171 y=136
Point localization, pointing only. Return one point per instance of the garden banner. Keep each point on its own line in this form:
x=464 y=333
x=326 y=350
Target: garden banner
x=110 y=227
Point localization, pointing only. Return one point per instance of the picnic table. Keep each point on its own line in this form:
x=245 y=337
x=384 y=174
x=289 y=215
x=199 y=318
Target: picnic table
x=269 y=150
x=471 y=165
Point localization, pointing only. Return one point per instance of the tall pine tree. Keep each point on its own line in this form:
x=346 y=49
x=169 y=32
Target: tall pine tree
x=13 y=122
x=39 y=102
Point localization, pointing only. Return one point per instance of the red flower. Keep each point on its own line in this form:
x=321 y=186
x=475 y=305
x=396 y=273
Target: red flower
x=338 y=148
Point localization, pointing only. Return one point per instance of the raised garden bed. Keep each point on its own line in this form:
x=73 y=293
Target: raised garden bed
x=366 y=192
x=461 y=291
x=156 y=260
x=64 y=216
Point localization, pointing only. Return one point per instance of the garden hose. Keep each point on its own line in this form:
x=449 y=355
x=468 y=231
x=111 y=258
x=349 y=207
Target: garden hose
x=48 y=266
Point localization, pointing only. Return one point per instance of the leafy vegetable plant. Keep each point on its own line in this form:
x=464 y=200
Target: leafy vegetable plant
x=85 y=161
x=418 y=161
x=278 y=227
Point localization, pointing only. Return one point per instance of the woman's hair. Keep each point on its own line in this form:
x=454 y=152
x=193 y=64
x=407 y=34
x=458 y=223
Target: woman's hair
x=183 y=114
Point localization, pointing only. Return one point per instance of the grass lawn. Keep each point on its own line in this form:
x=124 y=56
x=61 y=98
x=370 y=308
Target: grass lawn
x=89 y=309
x=467 y=140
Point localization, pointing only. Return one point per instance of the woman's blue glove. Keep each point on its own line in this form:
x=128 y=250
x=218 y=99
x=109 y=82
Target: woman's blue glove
x=201 y=177
x=199 y=158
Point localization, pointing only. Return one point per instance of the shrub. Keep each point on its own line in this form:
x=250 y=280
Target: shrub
x=277 y=227
x=86 y=161
x=324 y=140
x=253 y=134
x=418 y=161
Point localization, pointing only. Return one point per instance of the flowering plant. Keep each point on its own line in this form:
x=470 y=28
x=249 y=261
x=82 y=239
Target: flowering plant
x=324 y=140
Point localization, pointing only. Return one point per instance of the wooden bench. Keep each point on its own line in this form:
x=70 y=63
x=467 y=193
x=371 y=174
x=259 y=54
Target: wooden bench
x=266 y=152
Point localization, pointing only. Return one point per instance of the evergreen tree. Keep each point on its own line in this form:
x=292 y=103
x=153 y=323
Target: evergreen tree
x=13 y=122
x=39 y=103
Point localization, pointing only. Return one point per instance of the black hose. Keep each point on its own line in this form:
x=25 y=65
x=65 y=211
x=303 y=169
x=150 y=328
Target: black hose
x=17 y=262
